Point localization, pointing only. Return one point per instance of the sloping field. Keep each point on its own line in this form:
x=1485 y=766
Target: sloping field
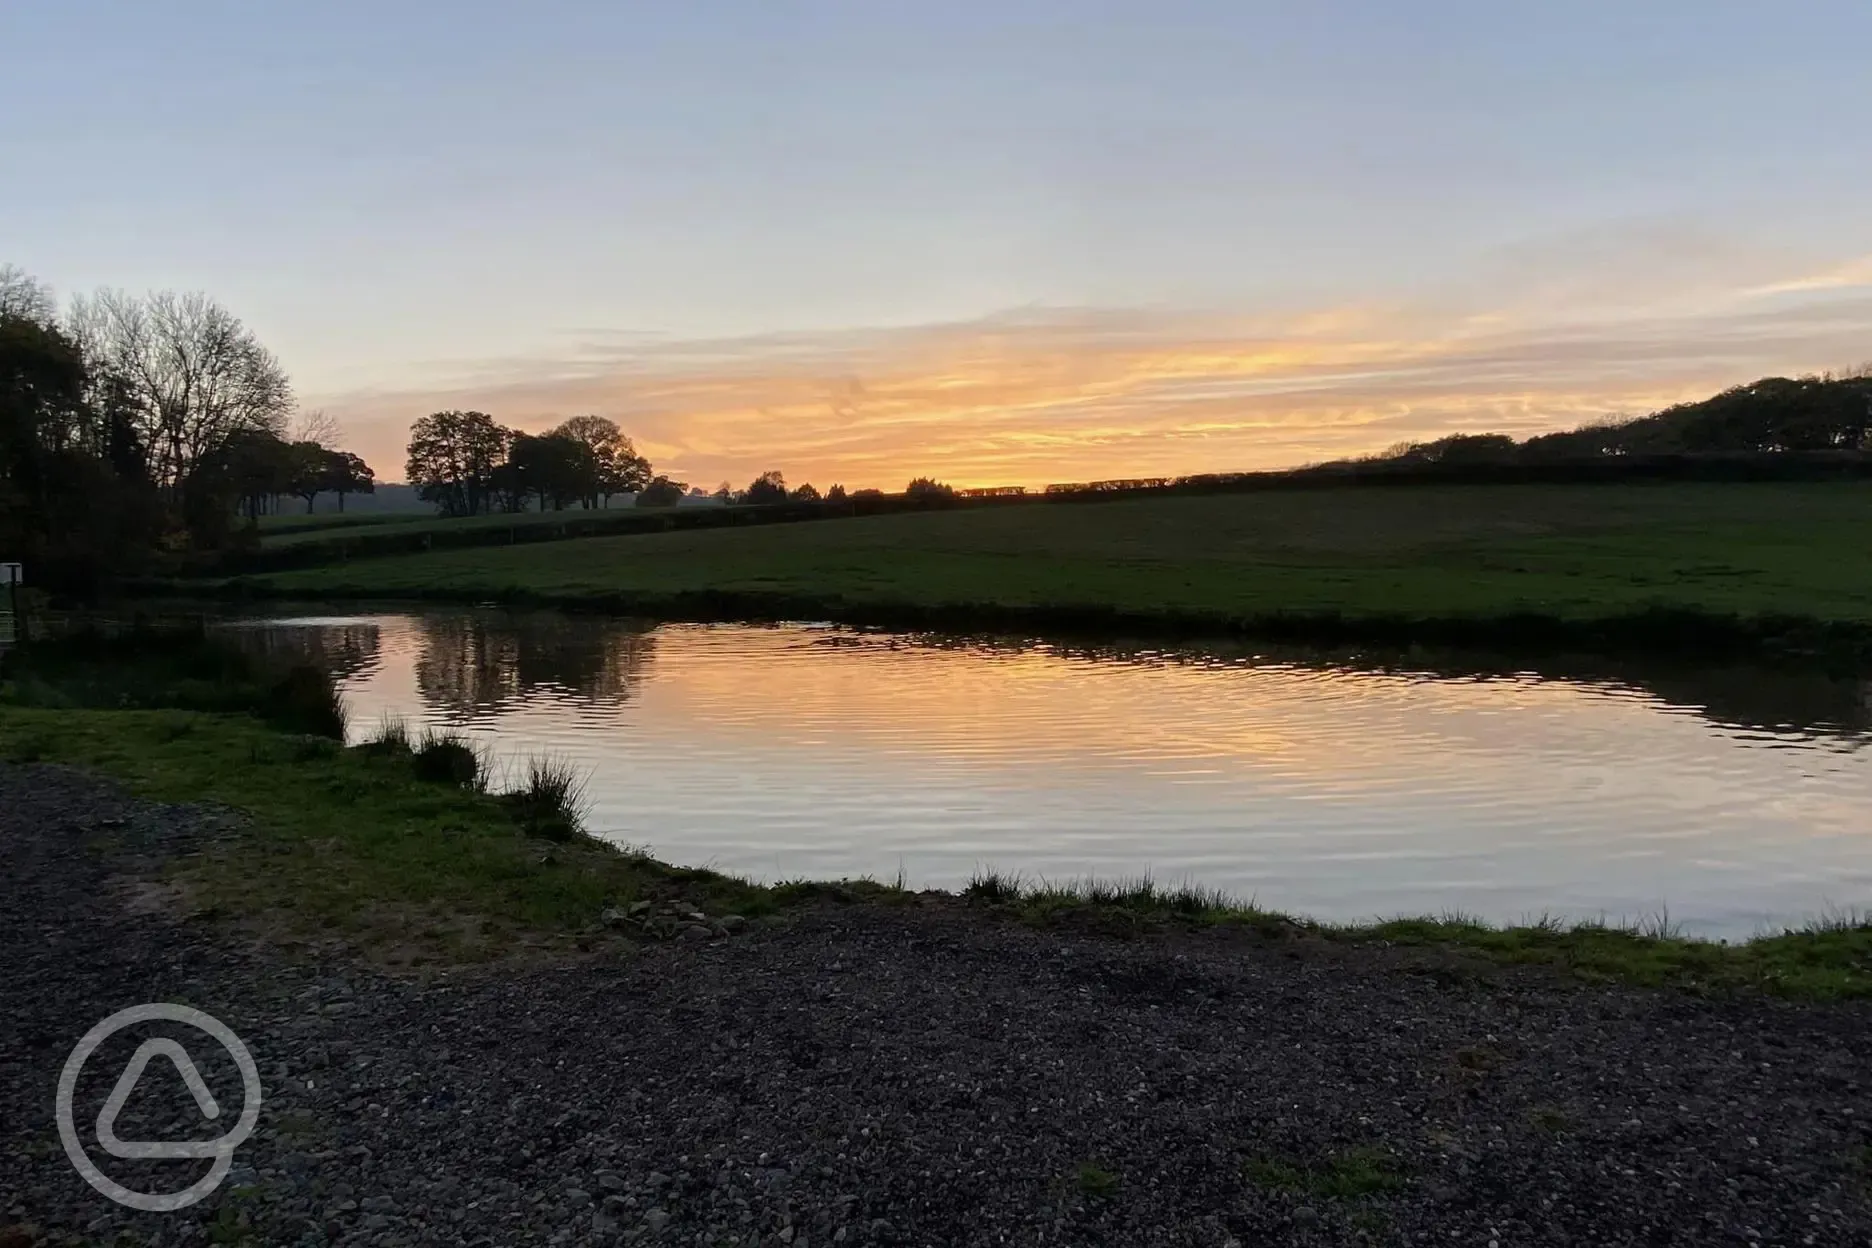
x=1564 y=552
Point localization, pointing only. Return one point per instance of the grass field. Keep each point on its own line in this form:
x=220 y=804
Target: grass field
x=297 y=530
x=1561 y=552
x=276 y=528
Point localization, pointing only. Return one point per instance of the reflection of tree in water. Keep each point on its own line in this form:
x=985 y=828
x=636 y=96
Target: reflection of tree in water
x=1789 y=699
x=344 y=650
x=482 y=664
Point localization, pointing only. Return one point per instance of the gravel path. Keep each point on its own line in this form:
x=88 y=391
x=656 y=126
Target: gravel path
x=909 y=1077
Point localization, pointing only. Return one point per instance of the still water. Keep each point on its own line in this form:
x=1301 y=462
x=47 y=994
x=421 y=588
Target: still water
x=1338 y=788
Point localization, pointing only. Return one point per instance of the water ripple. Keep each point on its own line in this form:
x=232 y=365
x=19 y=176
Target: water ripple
x=1335 y=786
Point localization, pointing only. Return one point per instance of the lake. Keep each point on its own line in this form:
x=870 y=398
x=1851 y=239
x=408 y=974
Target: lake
x=1337 y=786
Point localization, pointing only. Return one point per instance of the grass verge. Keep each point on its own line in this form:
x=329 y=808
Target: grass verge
x=355 y=844
x=1830 y=958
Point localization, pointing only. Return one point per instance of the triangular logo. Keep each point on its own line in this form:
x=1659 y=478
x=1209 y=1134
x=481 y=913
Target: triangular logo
x=126 y=1084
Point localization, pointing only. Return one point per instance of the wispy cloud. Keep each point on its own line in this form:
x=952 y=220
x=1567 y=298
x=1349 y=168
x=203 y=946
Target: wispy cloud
x=1047 y=394
x=1853 y=273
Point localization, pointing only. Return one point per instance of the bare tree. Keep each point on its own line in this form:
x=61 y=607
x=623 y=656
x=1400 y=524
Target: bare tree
x=26 y=297
x=318 y=426
x=195 y=374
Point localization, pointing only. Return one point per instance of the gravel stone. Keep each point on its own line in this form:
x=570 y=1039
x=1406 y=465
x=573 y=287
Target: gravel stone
x=906 y=1075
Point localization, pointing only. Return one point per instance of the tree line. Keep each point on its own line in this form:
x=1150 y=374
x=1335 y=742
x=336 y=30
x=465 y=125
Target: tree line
x=466 y=463
x=132 y=425
x=1772 y=416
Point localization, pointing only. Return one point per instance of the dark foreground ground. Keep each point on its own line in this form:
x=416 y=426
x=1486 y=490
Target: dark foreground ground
x=900 y=1076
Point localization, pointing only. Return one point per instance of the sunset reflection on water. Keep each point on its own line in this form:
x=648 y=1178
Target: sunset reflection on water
x=1338 y=789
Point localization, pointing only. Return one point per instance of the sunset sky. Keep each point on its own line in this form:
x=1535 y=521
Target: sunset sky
x=1011 y=242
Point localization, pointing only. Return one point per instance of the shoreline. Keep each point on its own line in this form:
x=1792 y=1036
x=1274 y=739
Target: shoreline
x=425 y=862
x=1674 y=632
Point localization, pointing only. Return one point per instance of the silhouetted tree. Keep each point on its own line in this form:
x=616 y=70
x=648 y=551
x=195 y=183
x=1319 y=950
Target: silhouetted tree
x=137 y=424
x=1772 y=416
x=348 y=474
x=195 y=374
x=24 y=297
x=557 y=468
x=310 y=473
x=313 y=426
x=74 y=489
x=836 y=494
x=806 y=494
x=769 y=487
x=661 y=492
x=617 y=467
x=42 y=387
x=452 y=459
x=929 y=492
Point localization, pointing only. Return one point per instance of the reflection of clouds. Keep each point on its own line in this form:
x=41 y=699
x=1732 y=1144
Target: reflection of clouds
x=1058 y=394
x=478 y=665
x=1331 y=784
x=1799 y=703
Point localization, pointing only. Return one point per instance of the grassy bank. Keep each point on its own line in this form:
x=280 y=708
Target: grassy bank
x=1723 y=567
x=354 y=844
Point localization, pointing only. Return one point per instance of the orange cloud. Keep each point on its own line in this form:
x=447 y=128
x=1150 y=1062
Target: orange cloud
x=1043 y=395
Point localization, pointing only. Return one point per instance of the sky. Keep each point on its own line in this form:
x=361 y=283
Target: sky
x=1007 y=242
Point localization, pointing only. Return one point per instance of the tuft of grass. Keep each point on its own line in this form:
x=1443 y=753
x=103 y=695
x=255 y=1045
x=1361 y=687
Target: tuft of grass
x=1136 y=900
x=551 y=801
x=448 y=758
x=392 y=737
x=1659 y=926
x=306 y=700
x=1352 y=1174
x=991 y=886
x=1094 y=1181
x=1835 y=920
